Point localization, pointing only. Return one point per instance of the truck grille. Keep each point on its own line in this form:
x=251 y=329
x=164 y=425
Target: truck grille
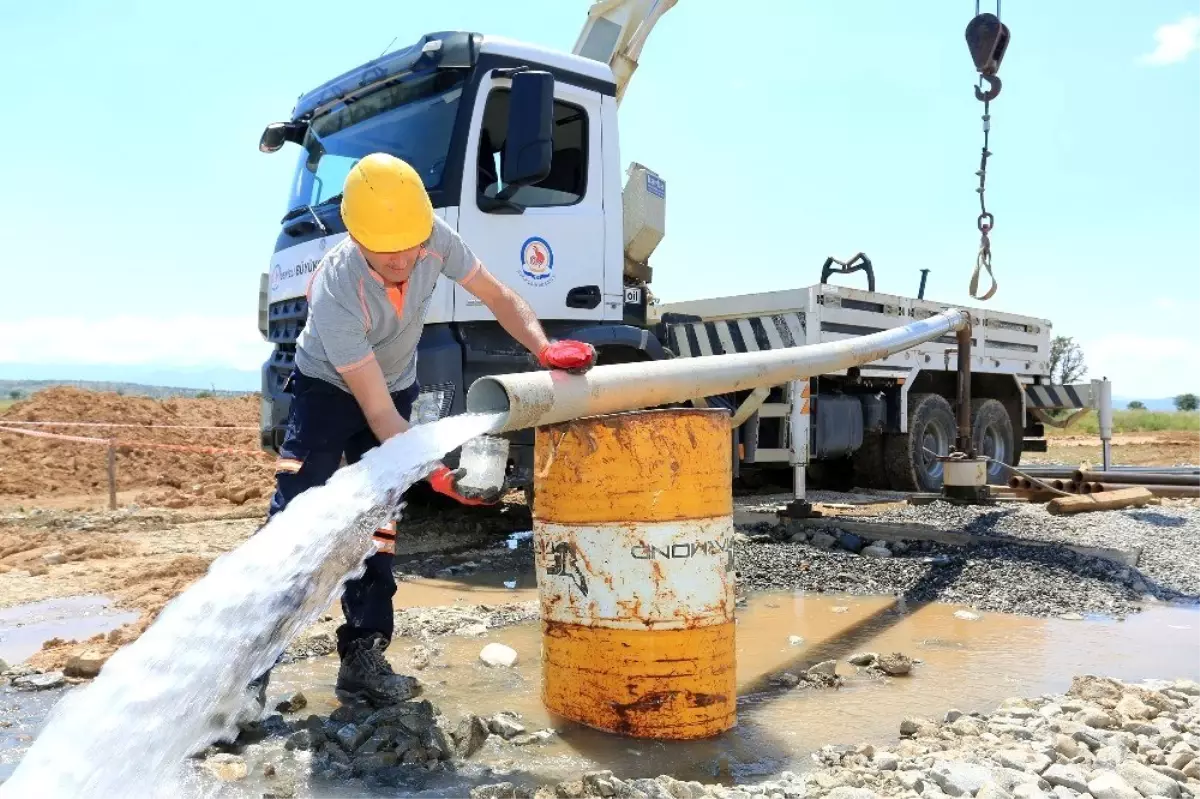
x=285 y=320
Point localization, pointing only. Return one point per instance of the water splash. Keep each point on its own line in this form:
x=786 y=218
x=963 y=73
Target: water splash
x=181 y=685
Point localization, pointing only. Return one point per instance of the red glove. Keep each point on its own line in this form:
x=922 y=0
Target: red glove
x=574 y=357
x=444 y=481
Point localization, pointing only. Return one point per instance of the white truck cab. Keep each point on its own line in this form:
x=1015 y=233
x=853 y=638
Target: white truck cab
x=518 y=148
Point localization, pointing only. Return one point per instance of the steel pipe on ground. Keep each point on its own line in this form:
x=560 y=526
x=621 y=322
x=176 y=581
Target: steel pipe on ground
x=1169 y=491
x=534 y=399
x=1139 y=478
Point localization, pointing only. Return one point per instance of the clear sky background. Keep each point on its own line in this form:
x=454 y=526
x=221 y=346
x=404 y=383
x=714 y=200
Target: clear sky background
x=139 y=212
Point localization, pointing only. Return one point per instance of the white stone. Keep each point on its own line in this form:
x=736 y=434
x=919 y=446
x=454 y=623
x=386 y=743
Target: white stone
x=1147 y=781
x=795 y=640
x=498 y=655
x=966 y=615
x=886 y=761
x=1110 y=785
x=959 y=779
x=876 y=551
x=1067 y=776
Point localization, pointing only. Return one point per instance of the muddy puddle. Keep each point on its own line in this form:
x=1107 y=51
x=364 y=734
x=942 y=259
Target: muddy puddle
x=966 y=663
x=24 y=628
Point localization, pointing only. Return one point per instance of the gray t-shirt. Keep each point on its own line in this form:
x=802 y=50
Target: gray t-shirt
x=353 y=316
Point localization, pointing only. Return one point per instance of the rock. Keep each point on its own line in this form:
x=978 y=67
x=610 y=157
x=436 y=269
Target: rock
x=966 y=727
x=352 y=736
x=227 y=768
x=1189 y=687
x=1110 y=785
x=840 y=609
x=846 y=792
x=1179 y=759
x=911 y=780
x=4 y=665
x=822 y=540
x=500 y=790
x=1088 y=737
x=541 y=736
x=863 y=659
x=372 y=762
x=1147 y=781
x=599 y=783
x=1173 y=773
x=1097 y=690
x=469 y=736
x=886 y=761
x=52 y=558
x=896 y=664
x=1097 y=719
x=1024 y=760
x=967 y=615
x=1066 y=746
x=850 y=541
x=472 y=630
x=953 y=715
x=785 y=680
x=958 y=778
x=1050 y=711
x=1067 y=776
x=1110 y=756
x=86 y=665
x=498 y=655
x=1028 y=790
x=505 y=726
x=351 y=714
x=1071 y=616
x=795 y=640
x=292 y=704
x=1131 y=707
x=914 y=726
x=876 y=551
x=1192 y=770
x=992 y=791
x=826 y=668
x=40 y=682
x=798 y=538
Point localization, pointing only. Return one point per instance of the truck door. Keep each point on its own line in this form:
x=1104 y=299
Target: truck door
x=548 y=243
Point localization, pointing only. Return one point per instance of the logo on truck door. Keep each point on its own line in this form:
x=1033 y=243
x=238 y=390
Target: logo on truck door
x=537 y=261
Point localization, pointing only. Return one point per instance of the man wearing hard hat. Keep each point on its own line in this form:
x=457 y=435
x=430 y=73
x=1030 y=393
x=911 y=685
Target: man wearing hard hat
x=356 y=377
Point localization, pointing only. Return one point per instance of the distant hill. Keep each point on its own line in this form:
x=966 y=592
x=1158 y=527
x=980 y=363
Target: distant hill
x=216 y=379
x=28 y=387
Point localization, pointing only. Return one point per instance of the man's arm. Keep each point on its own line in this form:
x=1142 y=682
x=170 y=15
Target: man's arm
x=366 y=383
x=512 y=312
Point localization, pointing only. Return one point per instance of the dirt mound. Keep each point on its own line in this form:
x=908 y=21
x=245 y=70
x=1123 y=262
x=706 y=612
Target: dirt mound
x=40 y=467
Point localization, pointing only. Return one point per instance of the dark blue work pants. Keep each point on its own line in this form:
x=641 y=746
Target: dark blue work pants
x=324 y=423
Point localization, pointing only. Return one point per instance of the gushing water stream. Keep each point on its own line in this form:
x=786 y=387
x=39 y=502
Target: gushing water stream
x=180 y=686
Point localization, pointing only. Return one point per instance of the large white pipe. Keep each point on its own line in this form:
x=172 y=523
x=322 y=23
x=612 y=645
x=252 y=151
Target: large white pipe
x=533 y=399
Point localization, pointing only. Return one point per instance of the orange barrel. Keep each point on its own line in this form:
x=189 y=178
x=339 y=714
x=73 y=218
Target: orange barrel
x=633 y=542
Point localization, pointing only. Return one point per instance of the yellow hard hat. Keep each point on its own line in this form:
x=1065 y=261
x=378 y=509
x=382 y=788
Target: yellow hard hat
x=384 y=204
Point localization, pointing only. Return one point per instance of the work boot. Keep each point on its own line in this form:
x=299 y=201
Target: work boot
x=366 y=676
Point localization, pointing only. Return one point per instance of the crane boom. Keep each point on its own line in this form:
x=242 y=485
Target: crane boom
x=615 y=33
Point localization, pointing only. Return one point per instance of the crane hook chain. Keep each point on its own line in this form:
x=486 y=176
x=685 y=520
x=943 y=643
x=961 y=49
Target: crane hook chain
x=987 y=39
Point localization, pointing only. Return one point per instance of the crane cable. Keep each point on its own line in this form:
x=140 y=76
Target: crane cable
x=987 y=39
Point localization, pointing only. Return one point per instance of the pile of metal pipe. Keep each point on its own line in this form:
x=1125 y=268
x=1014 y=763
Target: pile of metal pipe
x=1136 y=478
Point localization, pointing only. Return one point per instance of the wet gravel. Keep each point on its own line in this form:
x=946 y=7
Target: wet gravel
x=1167 y=535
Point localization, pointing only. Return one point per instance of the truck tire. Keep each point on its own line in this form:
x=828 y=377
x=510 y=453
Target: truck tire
x=870 y=470
x=993 y=436
x=931 y=425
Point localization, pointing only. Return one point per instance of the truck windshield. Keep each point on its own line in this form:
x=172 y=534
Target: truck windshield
x=412 y=120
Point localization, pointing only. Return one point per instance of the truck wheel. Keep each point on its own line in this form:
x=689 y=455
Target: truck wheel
x=931 y=426
x=992 y=434
x=869 y=467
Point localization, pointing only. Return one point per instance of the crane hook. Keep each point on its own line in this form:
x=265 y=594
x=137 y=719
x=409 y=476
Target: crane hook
x=993 y=82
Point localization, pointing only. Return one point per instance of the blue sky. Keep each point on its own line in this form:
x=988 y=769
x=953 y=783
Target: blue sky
x=140 y=213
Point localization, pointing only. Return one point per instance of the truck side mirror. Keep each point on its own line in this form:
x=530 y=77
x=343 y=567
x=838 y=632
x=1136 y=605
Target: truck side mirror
x=529 y=142
x=278 y=134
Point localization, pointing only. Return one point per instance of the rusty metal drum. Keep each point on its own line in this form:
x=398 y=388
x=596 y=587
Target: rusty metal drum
x=633 y=542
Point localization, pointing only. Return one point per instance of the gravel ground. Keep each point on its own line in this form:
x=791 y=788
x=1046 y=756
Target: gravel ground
x=1168 y=535
x=1102 y=740
x=1035 y=581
